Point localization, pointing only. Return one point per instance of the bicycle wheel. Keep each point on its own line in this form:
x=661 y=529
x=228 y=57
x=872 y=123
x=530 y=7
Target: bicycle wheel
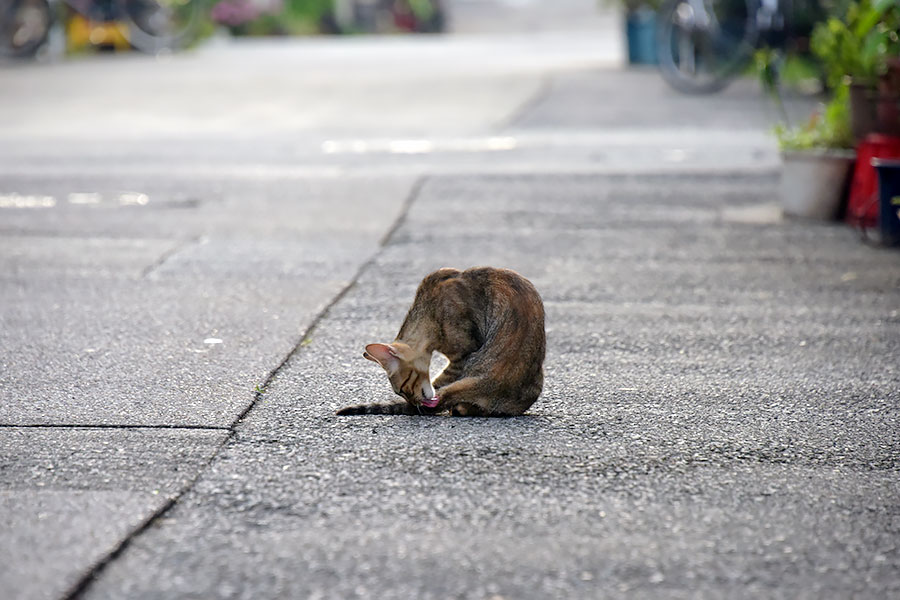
x=158 y=25
x=703 y=44
x=24 y=25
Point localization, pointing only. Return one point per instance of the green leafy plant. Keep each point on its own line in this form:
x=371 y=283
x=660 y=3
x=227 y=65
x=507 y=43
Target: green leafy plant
x=855 y=45
x=858 y=43
x=277 y=17
x=827 y=129
x=768 y=63
x=423 y=9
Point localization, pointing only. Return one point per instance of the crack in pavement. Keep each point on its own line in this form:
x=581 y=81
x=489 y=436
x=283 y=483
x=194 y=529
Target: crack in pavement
x=109 y=426
x=85 y=582
x=165 y=256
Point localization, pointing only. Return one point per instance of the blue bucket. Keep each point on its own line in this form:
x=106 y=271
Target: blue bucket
x=640 y=29
x=888 y=200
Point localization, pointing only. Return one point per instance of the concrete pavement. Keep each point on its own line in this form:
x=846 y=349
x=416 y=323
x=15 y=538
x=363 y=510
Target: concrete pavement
x=183 y=308
x=716 y=421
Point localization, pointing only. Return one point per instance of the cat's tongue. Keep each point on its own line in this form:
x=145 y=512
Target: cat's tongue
x=432 y=402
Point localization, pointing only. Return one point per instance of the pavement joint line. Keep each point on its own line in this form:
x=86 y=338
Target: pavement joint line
x=84 y=583
x=161 y=260
x=110 y=426
x=80 y=586
x=528 y=105
x=398 y=222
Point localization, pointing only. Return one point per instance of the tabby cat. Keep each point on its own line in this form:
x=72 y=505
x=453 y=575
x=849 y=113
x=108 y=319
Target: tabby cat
x=489 y=323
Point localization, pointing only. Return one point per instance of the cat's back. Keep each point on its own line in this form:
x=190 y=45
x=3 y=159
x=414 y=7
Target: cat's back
x=514 y=348
x=513 y=313
x=497 y=300
x=506 y=289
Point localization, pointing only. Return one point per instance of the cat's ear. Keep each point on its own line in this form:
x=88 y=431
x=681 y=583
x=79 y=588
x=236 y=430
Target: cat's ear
x=384 y=355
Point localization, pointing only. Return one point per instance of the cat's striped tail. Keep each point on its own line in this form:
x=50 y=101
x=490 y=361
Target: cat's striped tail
x=396 y=408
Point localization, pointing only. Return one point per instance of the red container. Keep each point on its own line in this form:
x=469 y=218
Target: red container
x=862 y=208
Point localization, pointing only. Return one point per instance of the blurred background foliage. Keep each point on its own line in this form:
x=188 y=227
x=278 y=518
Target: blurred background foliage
x=302 y=17
x=272 y=17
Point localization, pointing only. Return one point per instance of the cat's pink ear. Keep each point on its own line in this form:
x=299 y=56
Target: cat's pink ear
x=384 y=355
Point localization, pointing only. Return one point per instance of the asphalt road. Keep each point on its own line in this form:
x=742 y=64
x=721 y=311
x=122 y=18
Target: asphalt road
x=187 y=285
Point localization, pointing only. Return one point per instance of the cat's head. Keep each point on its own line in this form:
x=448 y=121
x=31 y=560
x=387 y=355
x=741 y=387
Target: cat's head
x=407 y=370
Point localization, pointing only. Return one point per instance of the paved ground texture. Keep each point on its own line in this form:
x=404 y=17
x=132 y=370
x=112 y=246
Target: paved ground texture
x=183 y=306
x=720 y=418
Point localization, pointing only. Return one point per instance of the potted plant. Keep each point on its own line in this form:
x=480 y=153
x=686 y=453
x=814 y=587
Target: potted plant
x=861 y=48
x=817 y=158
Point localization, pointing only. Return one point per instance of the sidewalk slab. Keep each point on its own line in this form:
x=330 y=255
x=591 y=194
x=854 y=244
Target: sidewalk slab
x=68 y=497
x=162 y=315
x=401 y=85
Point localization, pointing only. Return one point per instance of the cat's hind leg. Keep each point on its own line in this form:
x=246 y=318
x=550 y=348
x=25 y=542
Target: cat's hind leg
x=469 y=397
x=465 y=409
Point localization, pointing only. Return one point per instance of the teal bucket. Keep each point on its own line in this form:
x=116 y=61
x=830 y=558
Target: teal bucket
x=640 y=29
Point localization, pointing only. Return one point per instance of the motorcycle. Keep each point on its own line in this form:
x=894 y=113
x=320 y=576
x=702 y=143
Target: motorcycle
x=152 y=26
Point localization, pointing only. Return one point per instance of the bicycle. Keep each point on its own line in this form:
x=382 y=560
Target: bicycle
x=703 y=45
x=151 y=26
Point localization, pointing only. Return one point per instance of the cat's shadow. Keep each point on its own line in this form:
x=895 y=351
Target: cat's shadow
x=526 y=422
